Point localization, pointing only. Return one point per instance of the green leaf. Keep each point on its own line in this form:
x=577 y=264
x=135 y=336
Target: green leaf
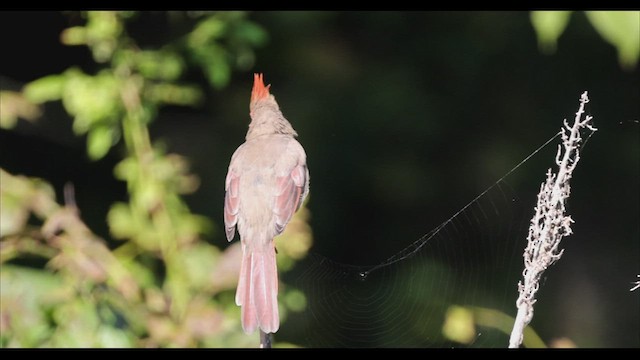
x=252 y=33
x=76 y=35
x=77 y=323
x=206 y=31
x=48 y=88
x=14 y=105
x=199 y=259
x=149 y=195
x=218 y=70
x=14 y=213
x=127 y=170
x=295 y=300
x=109 y=337
x=102 y=32
x=99 y=142
x=25 y=295
x=622 y=30
x=92 y=100
x=121 y=221
x=459 y=325
x=174 y=94
x=549 y=25
x=20 y=196
x=143 y=275
x=161 y=65
x=195 y=224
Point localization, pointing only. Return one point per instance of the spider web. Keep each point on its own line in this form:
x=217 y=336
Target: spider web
x=454 y=286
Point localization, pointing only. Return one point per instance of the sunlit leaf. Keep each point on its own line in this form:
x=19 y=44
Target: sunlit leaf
x=143 y=275
x=91 y=99
x=102 y=32
x=104 y=24
x=496 y=319
x=622 y=30
x=99 y=142
x=76 y=35
x=48 y=88
x=149 y=196
x=294 y=243
x=196 y=224
x=110 y=337
x=77 y=322
x=163 y=65
x=19 y=196
x=25 y=295
x=14 y=213
x=549 y=25
x=459 y=325
x=121 y=222
x=174 y=94
x=199 y=261
x=127 y=169
x=14 y=105
x=206 y=31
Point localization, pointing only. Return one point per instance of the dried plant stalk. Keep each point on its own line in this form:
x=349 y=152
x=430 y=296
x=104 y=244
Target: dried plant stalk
x=549 y=223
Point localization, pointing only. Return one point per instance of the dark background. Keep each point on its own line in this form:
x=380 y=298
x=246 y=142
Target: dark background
x=405 y=117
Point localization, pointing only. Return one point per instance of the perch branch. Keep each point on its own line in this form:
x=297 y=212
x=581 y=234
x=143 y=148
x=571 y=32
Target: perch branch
x=549 y=223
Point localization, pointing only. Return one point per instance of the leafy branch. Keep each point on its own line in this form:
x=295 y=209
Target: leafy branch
x=163 y=285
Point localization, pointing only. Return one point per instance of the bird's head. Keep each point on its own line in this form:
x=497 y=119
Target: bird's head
x=266 y=117
x=260 y=92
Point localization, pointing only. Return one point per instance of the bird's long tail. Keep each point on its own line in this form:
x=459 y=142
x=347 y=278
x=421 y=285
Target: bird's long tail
x=257 y=291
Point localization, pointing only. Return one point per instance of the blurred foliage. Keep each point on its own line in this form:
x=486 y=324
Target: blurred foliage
x=461 y=325
x=549 y=25
x=163 y=286
x=619 y=28
x=14 y=106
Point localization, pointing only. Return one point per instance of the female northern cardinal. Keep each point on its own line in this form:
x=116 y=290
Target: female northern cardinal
x=266 y=183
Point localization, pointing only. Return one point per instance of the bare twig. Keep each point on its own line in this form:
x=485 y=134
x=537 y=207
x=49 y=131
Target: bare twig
x=637 y=285
x=549 y=223
x=70 y=197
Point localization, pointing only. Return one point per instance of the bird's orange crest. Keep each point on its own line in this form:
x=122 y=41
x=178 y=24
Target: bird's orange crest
x=259 y=90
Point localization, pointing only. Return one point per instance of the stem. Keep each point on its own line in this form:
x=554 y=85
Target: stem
x=549 y=223
x=138 y=144
x=518 y=328
x=265 y=340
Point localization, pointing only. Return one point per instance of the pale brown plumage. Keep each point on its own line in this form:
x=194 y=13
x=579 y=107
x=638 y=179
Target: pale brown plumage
x=266 y=183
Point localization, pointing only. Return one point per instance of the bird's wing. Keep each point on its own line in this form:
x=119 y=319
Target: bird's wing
x=231 y=204
x=288 y=196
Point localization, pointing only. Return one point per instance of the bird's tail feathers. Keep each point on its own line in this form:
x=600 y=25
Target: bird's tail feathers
x=257 y=292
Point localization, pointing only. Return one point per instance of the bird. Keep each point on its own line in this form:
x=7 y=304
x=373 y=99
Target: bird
x=266 y=183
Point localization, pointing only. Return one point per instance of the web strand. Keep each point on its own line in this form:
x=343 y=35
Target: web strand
x=471 y=262
x=418 y=244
